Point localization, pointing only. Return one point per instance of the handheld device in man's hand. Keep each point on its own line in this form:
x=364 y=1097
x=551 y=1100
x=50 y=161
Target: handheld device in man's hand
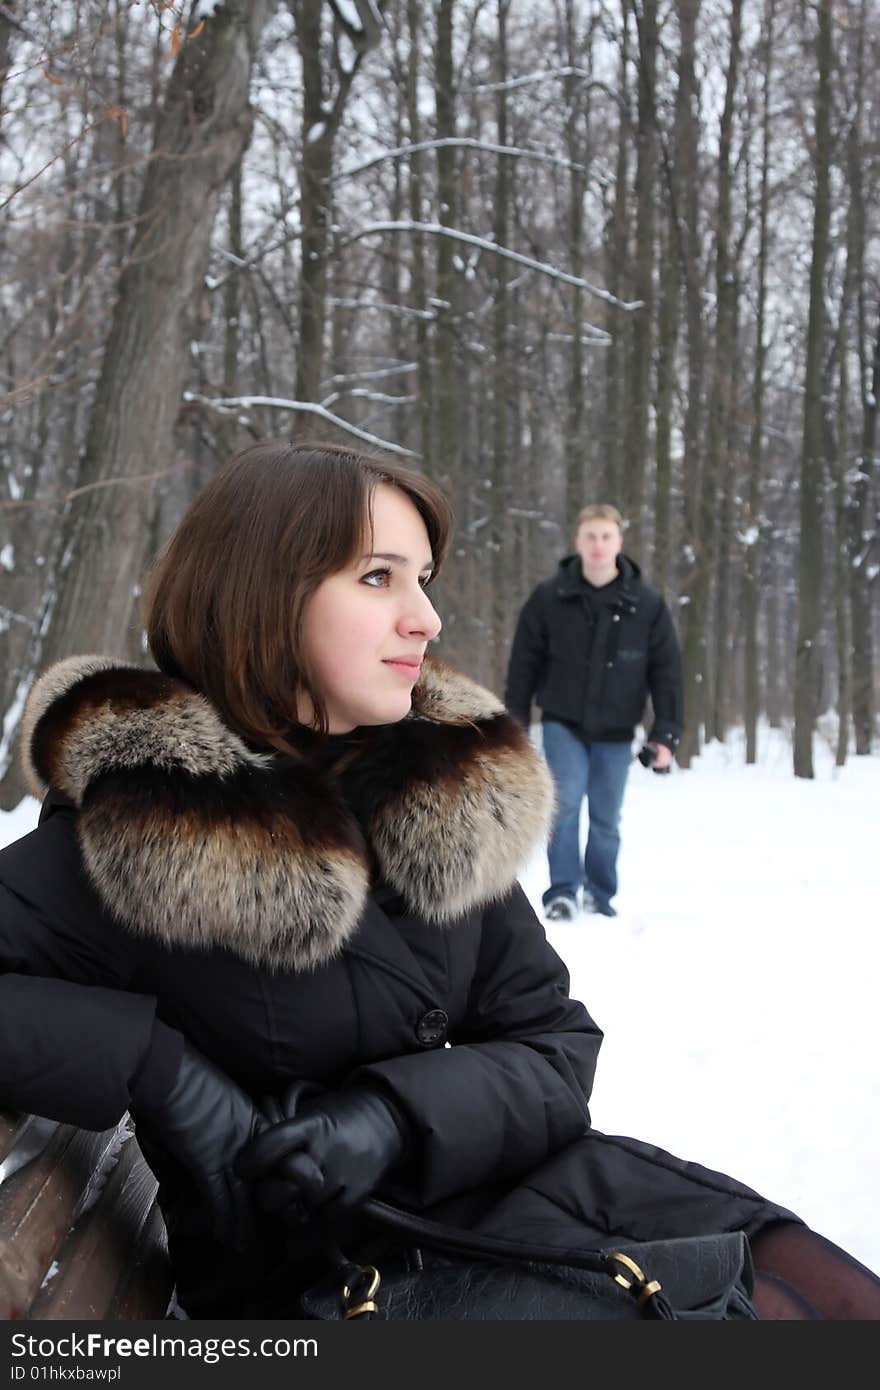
x=648 y=757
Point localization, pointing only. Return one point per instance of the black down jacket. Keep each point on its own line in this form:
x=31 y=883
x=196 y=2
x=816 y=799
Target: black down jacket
x=297 y=922
x=595 y=667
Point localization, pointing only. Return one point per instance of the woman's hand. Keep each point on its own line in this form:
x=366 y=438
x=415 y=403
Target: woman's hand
x=203 y=1119
x=330 y=1156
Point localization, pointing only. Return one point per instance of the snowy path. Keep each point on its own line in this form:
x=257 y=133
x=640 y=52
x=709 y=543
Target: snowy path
x=738 y=988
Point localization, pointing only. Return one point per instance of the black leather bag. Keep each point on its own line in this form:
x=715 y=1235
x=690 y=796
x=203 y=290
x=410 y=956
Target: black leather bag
x=450 y=1274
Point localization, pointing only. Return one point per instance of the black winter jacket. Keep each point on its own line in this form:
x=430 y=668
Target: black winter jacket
x=595 y=669
x=300 y=923
x=175 y=875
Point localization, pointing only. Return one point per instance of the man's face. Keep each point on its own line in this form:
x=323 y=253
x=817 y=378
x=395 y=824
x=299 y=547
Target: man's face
x=599 y=543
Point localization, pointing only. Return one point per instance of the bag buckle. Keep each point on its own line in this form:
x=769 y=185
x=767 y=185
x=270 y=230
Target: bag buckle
x=363 y=1287
x=634 y=1280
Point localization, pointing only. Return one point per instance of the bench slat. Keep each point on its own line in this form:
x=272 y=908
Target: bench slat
x=80 y=1232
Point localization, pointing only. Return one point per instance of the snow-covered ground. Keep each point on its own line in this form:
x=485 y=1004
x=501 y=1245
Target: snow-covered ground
x=738 y=987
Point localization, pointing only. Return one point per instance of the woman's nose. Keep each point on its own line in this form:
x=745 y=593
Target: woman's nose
x=422 y=618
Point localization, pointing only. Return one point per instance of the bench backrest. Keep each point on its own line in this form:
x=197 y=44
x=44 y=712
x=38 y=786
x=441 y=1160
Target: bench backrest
x=81 y=1236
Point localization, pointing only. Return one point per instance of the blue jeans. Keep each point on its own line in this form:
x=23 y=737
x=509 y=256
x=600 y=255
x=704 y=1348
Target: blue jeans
x=597 y=771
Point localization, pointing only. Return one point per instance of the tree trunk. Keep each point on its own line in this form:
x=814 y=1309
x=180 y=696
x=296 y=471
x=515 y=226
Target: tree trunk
x=315 y=168
x=444 y=431
x=635 y=444
x=616 y=258
x=391 y=273
x=667 y=342
x=775 y=646
x=865 y=537
x=202 y=132
x=499 y=606
x=688 y=222
x=807 y=653
x=232 y=290
x=7 y=29
x=753 y=527
x=576 y=150
x=685 y=184
x=121 y=26
x=694 y=655
x=838 y=459
x=723 y=625
x=675 y=270
x=418 y=273
x=863 y=525
x=322 y=112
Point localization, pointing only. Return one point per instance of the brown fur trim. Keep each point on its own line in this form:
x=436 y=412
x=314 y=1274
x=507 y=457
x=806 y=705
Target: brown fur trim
x=478 y=799
x=192 y=838
x=87 y=715
x=172 y=865
x=51 y=686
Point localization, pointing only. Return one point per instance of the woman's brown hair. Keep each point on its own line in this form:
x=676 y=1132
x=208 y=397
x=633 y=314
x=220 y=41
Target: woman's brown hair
x=224 y=600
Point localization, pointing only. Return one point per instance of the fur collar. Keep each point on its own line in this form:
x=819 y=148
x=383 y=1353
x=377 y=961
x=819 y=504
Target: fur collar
x=192 y=838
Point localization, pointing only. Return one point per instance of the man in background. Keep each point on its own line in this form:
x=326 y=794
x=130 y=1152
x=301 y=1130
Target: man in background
x=591 y=644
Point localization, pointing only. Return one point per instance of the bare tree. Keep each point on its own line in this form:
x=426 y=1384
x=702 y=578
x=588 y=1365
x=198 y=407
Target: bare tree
x=694 y=655
x=418 y=272
x=326 y=88
x=616 y=256
x=754 y=528
x=106 y=532
x=863 y=525
x=635 y=439
x=808 y=656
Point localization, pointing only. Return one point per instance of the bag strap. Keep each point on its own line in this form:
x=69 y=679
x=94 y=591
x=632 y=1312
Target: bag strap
x=617 y=1265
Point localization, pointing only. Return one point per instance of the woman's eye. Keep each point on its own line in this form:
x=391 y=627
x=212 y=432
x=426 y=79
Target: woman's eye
x=377 y=579
x=380 y=579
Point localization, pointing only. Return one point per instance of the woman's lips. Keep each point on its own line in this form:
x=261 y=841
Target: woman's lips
x=406 y=668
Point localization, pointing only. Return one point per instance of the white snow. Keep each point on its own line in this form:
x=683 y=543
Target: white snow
x=205 y=9
x=231 y=404
x=530 y=78
x=347 y=54
x=484 y=244
x=10 y=725
x=348 y=12
x=21 y=821
x=7 y=557
x=738 y=986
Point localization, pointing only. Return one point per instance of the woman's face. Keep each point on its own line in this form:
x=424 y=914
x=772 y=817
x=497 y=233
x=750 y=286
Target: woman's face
x=365 y=629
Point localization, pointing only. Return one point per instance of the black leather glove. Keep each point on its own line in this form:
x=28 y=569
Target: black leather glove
x=330 y=1156
x=203 y=1119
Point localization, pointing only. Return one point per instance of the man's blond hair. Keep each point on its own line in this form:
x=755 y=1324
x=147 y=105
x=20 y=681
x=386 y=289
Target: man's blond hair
x=600 y=511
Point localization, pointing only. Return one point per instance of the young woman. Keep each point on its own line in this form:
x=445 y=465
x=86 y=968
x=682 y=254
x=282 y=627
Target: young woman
x=284 y=864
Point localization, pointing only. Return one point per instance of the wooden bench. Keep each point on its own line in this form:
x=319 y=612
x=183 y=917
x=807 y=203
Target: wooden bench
x=81 y=1236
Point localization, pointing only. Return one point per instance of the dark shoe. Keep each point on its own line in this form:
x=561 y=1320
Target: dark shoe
x=594 y=907
x=561 y=909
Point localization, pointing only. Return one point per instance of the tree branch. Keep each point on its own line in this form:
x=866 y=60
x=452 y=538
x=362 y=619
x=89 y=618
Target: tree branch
x=436 y=229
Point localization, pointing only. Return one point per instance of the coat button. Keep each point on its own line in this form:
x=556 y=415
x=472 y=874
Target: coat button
x=616 y=618
x=431 y=1027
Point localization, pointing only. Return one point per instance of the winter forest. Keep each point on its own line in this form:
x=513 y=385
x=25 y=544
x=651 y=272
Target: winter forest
x=552 y=252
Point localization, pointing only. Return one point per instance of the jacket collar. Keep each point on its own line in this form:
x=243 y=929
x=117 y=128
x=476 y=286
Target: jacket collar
x=569 y=579
x=192 y=838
